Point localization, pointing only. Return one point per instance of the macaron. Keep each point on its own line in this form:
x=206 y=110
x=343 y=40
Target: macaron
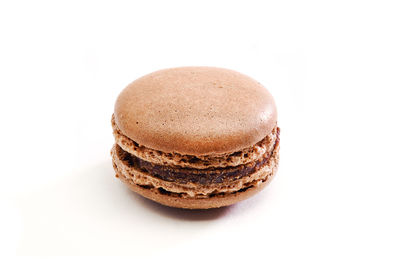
x=195 y=137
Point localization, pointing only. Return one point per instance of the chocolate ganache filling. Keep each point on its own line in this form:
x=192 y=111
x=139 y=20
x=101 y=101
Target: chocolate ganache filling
x=198 y=176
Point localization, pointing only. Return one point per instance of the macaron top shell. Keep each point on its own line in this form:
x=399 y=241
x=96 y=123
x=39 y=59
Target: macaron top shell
x=195 y=111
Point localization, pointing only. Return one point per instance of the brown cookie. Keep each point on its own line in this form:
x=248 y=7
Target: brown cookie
x=195 y=137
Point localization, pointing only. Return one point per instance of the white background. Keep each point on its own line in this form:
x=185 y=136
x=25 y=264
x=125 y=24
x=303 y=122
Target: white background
x=332 y=66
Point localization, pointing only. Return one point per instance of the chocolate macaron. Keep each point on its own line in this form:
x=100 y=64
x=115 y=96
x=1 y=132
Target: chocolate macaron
x=195 y=137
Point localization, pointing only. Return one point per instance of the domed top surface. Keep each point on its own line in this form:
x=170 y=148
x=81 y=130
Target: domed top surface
x=195 y=111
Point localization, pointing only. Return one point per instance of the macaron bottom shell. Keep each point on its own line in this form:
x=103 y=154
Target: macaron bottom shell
x=168 y=199
x=182 y=200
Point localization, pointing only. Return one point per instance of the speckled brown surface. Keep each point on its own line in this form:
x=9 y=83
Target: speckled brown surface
x=196 y=111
